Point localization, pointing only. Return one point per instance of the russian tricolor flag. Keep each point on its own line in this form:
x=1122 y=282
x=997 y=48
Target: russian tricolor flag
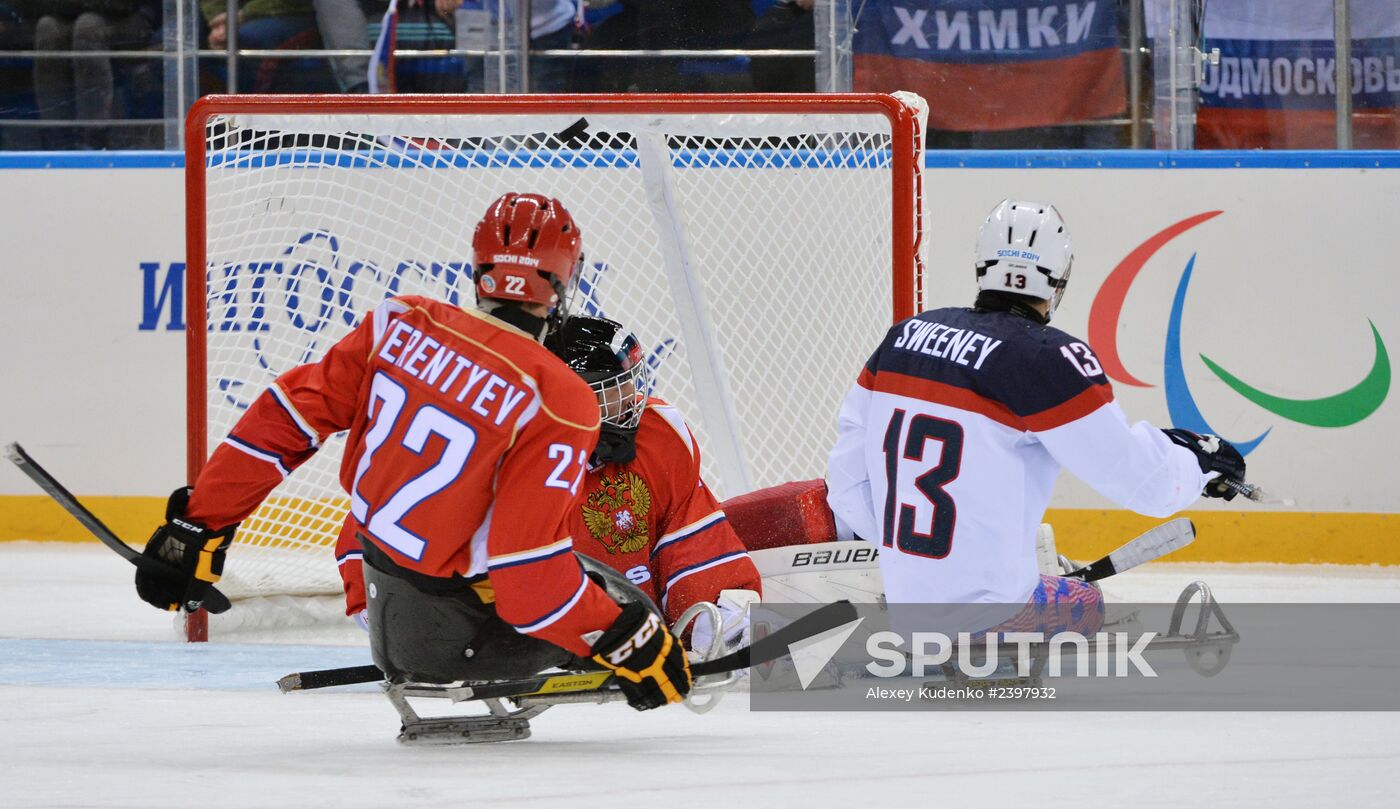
x=995 y=64
x=1275 y=85
x=381 y=63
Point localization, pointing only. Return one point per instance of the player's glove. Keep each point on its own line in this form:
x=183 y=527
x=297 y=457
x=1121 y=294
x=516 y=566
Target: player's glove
x=191 y=558
x=1214 y=454
x=649 y=662
x=734 y=622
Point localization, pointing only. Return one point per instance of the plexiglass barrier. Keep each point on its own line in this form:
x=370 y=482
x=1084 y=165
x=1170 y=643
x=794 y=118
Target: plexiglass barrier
x=1022 y=74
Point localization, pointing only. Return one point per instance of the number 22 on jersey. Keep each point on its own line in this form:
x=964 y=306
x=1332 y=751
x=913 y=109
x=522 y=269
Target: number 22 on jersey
x=386 y=401
x=908 y=438
x=386 y=405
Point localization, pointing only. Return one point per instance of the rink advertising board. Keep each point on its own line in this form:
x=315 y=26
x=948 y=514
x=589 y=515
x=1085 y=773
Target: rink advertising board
x=1245 y=294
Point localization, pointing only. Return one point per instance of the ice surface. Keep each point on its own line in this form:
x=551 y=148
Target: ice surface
x=102 y=706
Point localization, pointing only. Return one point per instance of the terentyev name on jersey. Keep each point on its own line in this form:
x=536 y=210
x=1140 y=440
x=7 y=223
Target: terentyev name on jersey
x=429 y=361
x=962 y=346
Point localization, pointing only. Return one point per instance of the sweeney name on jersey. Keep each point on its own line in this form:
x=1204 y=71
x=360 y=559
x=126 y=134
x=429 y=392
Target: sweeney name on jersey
x=1021 y=374
x=408 y=348
x=962 y=346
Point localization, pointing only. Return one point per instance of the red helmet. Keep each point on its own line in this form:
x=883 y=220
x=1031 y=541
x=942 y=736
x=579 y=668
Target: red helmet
x=527 y=249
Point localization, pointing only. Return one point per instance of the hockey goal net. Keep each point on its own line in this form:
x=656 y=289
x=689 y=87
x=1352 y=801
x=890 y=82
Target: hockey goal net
x=758 y=245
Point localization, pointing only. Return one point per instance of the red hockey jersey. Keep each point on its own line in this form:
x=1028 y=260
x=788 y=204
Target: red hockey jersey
x=468 y=443
x=654 y=519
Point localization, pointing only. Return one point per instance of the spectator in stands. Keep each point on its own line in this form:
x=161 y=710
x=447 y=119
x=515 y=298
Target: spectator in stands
x=82 y=89
x=421 y=26
x=667 y=24
x=551 y=28
x=786 y=25
x=343 y=27
x=267 y=25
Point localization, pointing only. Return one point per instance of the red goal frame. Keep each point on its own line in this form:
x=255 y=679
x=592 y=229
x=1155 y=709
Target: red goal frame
x=905 y=203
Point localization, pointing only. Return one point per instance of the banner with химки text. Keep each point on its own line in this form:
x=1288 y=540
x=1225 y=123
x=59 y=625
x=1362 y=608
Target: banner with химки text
x=995 y=64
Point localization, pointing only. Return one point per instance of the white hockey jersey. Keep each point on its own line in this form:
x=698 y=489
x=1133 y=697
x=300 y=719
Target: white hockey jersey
x=952 y=438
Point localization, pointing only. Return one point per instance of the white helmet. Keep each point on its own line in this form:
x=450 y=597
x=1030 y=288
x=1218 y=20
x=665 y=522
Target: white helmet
x=1023 y=247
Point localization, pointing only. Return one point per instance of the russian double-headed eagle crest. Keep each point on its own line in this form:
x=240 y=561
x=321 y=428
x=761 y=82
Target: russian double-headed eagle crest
x=616 y=512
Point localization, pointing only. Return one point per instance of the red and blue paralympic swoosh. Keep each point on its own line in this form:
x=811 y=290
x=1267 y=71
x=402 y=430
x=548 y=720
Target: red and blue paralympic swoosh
x=1339 y=410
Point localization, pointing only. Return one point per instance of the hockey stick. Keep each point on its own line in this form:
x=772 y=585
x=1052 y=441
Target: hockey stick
x=1158 y=542
x=329 y=678
x=214 y=601
x=1153 y=544
x=763 y=650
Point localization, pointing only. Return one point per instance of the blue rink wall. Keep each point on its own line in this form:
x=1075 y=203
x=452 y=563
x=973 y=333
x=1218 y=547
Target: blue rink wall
x=1250 y=294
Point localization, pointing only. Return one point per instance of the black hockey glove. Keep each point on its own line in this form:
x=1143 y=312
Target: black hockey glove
x=191 y=558
x=1214 y=454
x=649 y=662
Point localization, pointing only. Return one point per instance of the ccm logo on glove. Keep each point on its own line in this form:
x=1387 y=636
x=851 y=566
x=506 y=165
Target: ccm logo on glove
x=639 y=639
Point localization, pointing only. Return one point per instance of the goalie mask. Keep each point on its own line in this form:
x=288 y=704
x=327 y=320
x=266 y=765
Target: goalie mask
x=1024 y=248
x=610 y=359
x=527 y=249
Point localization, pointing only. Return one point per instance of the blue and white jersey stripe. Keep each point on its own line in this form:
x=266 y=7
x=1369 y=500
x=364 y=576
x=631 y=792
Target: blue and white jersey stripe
x=349 y=556
x=297 y=419
x=505 y=560
x=257 y=452
x=688 y=531
x=563 y=609
x=696 y=568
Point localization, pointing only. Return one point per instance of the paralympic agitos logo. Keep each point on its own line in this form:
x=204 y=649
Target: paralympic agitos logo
x=1337 y=410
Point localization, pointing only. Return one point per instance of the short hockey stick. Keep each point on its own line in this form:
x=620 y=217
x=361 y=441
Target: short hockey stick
x=214 y=601
x=763 y=650
x=1158 y=542
x=329 y=678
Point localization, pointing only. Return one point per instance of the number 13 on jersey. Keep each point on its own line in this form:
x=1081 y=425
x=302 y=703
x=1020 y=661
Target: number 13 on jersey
x=929 y=450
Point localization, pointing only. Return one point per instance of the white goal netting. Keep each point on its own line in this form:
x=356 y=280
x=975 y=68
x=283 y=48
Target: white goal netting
x=758 y=254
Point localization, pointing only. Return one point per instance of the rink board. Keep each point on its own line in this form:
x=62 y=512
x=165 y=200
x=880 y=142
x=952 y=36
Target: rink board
x=1289 y=291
